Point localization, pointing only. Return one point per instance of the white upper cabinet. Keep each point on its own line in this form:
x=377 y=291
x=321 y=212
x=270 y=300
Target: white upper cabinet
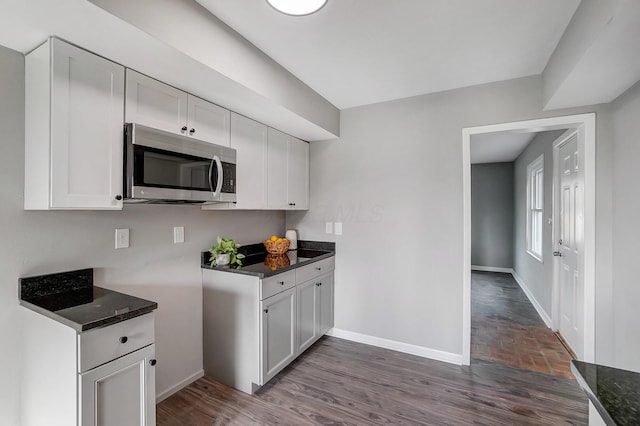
x=155 y=104
x=297 y=174
x=277 y=166
x=74 y=106
x=249 y=138
x=208 y=121
x=288 y=180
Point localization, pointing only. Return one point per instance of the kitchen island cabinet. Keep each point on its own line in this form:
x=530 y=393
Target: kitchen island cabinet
x=255 y=325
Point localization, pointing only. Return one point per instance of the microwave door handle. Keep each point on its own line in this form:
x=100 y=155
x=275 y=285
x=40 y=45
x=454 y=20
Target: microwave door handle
x=216 y=193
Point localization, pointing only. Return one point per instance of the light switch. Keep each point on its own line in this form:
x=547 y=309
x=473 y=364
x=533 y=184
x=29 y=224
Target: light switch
x=122 y=238
x=178 y=234
x=337 y=228
x=328 y=228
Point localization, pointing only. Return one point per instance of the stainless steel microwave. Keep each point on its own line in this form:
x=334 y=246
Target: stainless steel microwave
x=162 y=167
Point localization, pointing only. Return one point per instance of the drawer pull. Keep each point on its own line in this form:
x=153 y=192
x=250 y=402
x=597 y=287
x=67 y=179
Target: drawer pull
x=266 y=311
x=153 y=362
x=124 y=339
x=281 y=282
x=318 y=269
x=318 y=284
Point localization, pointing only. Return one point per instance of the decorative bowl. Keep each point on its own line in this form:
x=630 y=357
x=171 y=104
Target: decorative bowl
x=277 y=247
x=276 y=261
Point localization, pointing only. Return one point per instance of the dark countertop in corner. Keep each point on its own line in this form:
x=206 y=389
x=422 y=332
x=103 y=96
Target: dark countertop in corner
x=615 y=393
x=71 y=299
x=260 y=264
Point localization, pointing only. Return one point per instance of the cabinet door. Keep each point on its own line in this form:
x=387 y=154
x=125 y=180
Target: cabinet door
x=277 y=170
x=155 y=104
x=307 y=314
x=87 y=117
x=325 y=304
x=278 y=333
x=120 y=392
x=297 y=174
x=207 y=121
x=249 y=138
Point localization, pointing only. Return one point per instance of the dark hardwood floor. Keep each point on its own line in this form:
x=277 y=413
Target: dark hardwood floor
x=337 y=382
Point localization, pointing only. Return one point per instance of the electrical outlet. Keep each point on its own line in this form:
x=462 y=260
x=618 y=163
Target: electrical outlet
x=122 y=238
x=337 y=228
x=328 y=228
x=178 y=234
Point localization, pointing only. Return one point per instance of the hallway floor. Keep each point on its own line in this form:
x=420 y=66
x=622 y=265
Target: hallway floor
x=505 y=328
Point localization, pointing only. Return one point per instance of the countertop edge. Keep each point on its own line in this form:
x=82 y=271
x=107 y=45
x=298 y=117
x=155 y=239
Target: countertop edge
x=270 y=274
x=80 y=328
x=606 y=417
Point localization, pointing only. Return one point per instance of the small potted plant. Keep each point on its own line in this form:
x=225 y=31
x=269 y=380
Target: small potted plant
x=225 y=252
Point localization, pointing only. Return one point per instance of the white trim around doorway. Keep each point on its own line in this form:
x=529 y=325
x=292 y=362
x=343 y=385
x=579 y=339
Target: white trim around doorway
x=587 y=124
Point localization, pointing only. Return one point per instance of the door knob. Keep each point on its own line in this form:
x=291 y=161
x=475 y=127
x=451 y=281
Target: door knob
x=557 y=253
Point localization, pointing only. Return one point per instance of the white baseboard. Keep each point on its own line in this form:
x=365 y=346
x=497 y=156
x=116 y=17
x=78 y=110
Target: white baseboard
x=421 y=351
x=491 y=269
x=532 y=299
x=182 y=384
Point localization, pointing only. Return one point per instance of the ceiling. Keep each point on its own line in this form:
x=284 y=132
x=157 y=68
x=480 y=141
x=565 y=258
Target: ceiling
x=501 y=147
x=356 y=52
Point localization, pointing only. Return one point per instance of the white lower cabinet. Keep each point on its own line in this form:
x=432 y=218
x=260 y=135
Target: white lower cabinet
x=278 y=333
x=82 y=383
x=253 y=328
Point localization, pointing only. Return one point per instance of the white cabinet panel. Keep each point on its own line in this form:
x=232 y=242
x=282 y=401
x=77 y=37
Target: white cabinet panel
x=297 y=174
x=278 y=329
x=207 y=121
x=74 y=129
x=155 y=104
x=307 y=315
x=325 y=304
x=277 y=170
x=120 y=392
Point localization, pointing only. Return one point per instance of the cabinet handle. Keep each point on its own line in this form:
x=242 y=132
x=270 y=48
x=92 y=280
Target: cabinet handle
x=192 y=131
x=292 y=204
x=153 y=362
x=266 y=311
x=184 y=129
x=318 y=284
x=318 y=269
x=124 y=339
x=281 y=282
x=118 y=197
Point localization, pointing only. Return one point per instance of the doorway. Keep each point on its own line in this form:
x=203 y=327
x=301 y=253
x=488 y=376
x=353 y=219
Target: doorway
x=585 y=124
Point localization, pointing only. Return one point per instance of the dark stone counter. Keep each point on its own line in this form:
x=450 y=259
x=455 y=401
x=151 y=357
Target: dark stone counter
x=72 y=299
x=260 y=264
x=615 y=393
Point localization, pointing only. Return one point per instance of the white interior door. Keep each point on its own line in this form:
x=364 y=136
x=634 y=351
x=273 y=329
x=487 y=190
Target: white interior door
x=571 y=244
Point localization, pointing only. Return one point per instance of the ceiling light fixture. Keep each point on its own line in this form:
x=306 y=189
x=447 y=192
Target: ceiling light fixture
x=297 y=7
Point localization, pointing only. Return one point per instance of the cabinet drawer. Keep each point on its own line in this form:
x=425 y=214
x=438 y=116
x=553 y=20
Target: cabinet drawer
x=276 y=284
x=315 y=269
x=95 y=347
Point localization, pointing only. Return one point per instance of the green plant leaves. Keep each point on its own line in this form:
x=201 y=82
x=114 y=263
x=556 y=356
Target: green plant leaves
x=228 y=246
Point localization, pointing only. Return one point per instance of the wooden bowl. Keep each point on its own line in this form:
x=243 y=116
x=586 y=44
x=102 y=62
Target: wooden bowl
x=277 y=247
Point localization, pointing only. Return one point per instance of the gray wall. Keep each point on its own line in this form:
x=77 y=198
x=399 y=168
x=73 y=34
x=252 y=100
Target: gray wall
x=626 y=229
x=399 y=266
x=154 y=268
x=492 y=215
x=537 y=276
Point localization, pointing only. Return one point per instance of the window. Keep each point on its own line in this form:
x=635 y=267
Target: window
x=535 y=206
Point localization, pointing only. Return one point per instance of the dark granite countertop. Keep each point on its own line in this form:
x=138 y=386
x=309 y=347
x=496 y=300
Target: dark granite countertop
x=72 y=299
x=615 y=393
x=261 y=264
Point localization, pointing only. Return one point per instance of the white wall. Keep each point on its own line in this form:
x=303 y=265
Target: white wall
x=36 y=242
x=626 y=229
x=395 y=179
x=536 y=275
x=492 y=215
